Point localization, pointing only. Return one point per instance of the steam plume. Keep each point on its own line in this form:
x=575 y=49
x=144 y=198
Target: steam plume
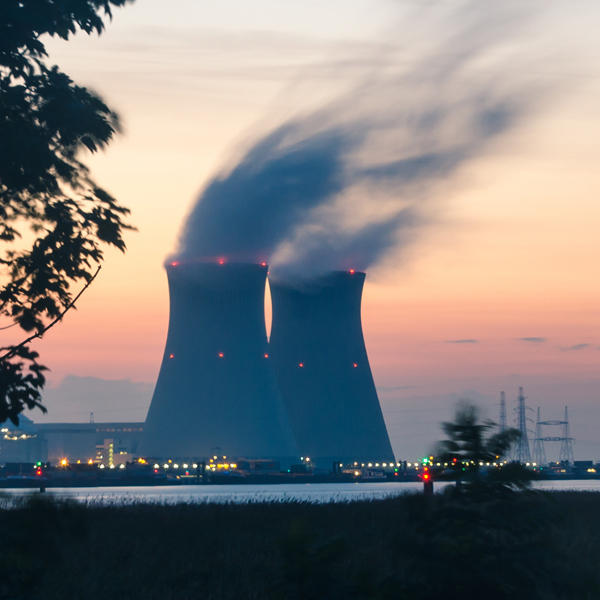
x=340 y=186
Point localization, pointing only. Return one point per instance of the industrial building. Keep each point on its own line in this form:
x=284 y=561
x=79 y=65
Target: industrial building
x=216 y=391
x=103 y=443
x=224 y=389
x=323 y=371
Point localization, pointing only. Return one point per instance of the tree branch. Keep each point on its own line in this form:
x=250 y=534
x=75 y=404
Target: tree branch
x=13 y=349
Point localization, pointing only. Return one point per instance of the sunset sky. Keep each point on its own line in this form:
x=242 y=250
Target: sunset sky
x=497 y=286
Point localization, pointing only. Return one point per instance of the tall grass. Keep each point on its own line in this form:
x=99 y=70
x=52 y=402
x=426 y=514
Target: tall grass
x=520 y=545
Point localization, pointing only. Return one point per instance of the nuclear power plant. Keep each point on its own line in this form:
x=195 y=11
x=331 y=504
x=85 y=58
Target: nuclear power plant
x=216 y=391
x=223 y=389
x=323 y=370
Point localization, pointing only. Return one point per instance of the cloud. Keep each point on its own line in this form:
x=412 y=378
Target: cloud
x=576 y=347
x=536 y=340
x=74 y=398
x=467 y=341
x=343 y=184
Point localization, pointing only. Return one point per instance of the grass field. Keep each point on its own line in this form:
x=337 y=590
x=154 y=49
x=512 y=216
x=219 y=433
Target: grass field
x=526 y=545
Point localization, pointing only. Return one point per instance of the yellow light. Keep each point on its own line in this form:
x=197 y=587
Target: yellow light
x=64 y=462
x=370 y=464
x=166 y=466
x=185 y=466
x=112 y=466
x=102 y=466
x=90 y=462
x=357 y=473
x=122 y=466
x=234 y=466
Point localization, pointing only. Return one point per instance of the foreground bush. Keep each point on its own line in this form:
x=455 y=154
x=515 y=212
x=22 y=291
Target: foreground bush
x=509 y=546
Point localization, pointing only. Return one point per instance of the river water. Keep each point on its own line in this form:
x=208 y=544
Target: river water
x=310 y=492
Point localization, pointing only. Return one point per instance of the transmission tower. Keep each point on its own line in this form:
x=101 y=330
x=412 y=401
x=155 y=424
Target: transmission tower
x=502 y=426
x=522 y=453
x=566 y=444
x=539 y=453
x=566 y=441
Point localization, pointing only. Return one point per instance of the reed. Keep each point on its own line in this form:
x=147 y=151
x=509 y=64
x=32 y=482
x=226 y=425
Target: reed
x=518 y=545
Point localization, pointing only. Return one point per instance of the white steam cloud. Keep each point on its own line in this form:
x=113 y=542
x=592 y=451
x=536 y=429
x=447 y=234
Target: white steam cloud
x=340 y=186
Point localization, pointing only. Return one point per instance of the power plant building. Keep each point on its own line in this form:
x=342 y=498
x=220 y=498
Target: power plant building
x=216 y=391
x=323 y=371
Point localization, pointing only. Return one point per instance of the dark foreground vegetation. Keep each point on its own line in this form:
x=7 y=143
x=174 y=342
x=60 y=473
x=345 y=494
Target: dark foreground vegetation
x=453 y=546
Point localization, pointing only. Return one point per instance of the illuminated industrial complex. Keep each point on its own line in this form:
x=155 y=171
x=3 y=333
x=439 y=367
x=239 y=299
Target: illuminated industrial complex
x=307 y=397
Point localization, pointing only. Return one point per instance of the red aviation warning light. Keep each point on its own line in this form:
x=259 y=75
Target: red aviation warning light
x=221 y=354
x=174 y=263
x=351 y=271
x=264 y=264
x=221 y=261
x=300 y=365
x=355 y=365
x=266 y=356
x=171 y=356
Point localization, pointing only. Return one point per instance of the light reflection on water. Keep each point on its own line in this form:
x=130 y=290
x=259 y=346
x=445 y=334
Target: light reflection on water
x=309 y=492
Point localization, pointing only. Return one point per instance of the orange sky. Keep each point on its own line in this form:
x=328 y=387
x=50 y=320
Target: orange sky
x=511 y=250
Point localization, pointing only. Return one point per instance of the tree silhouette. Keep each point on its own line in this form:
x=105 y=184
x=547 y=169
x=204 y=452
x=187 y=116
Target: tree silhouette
x=45 y=190
x=470 y=448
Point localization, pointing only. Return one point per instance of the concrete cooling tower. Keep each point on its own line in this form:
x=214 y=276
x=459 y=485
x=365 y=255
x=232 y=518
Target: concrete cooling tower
x=323 y=372
x=216 y=391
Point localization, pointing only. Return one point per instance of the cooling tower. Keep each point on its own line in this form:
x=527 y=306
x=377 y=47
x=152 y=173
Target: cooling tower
x=323 y=372
x=216 y=391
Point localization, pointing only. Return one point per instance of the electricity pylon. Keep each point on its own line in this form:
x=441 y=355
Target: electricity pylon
x=539 y=452
x=522 y=453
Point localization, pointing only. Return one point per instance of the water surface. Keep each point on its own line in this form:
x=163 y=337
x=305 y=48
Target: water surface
x=309 y=492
